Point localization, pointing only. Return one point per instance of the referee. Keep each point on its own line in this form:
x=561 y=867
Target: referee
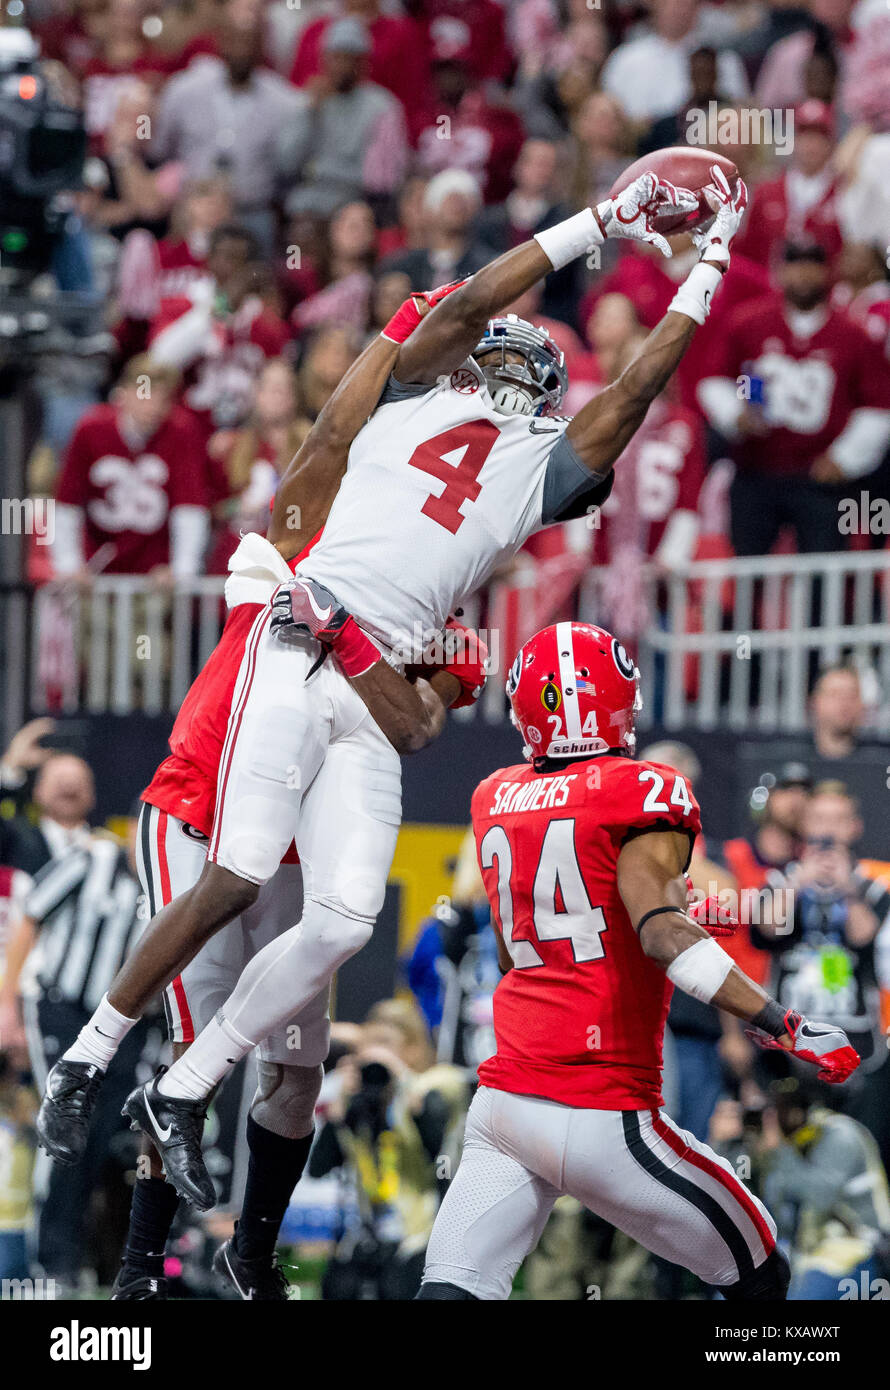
x=81 y=917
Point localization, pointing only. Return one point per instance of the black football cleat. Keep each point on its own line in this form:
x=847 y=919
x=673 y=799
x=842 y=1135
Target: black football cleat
x=63 y=1120
x=261 y=1279
x=175 y=1127
x=132 y=1287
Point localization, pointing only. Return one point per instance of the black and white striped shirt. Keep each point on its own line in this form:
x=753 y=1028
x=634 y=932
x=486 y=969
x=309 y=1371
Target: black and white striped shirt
x=86 y=904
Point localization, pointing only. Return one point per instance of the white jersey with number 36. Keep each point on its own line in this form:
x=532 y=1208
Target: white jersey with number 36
x=439 y=489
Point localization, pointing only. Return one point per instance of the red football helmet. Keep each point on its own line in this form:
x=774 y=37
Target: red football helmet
x=574 y=690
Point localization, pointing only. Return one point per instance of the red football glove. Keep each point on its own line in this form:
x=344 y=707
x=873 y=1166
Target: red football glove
x=465 y=656
x=408 y=315
x=710 y=913
x=822 y=1044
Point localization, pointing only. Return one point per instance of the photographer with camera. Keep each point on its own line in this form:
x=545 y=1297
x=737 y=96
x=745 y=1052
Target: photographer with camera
x=394 y=1133
x=823 y=955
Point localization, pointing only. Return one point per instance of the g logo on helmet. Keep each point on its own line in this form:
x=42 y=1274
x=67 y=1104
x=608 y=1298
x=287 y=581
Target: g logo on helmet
x=551 y=697
x=623 y=661
x=513 y=677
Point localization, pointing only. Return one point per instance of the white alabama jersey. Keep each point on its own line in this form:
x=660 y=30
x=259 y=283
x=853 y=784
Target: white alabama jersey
x=439 y=488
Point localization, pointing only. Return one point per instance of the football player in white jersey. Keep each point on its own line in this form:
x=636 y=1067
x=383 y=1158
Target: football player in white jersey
x=463 y=459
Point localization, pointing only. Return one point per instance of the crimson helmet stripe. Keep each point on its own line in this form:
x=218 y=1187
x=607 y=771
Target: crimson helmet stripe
x=565 y=648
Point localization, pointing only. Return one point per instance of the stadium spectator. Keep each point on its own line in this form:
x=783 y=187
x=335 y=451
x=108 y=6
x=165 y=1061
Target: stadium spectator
x=255 y=456
x=534 y=203
x=329 y=354
x=758 y=861
x=827 y=1188
x=121 y=54
x=221 y=332
x=396 y=1116
x=837 y=712
x=802 y=395
x=62 y=798
x=863 y=289
x=649 y=75
x=822 y=948
x=132 y=496
x=345 y=272
x=703 y=89
x=452 y=969
x=152 y=271
x=466 y=127
x=782 y=78
x=398 y=56
x=347 y=139
x=224 y=115
x=602 y=142
x=799 y=204
x=451 y=250
x=136 y=193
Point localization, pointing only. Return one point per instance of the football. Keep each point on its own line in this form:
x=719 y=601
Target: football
x=685 y=167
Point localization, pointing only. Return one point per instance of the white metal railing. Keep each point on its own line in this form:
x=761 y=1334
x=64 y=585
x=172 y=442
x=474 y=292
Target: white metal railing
x=730 y=642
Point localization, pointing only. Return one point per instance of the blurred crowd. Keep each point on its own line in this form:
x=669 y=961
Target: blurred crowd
x=814 y=930
x=266 y=182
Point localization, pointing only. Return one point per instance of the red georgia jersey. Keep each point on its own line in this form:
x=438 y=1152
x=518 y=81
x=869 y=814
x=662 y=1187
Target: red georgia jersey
x=127 y=492
x=185 y=783
x=580 y=1017
x=811 y=384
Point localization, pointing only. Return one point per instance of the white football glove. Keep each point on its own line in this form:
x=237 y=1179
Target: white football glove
x=629 y=214
x=713 y=244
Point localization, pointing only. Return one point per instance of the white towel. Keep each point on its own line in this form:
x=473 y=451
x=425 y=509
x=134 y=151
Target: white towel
x=255 y=571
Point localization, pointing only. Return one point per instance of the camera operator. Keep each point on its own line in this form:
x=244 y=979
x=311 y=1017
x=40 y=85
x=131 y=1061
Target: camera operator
x=392 y=1132
x=827 y=1188
x=823 y=956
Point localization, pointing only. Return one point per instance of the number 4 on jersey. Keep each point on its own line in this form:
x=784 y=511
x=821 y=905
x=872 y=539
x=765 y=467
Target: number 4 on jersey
x=562 y=908
x=455 y=457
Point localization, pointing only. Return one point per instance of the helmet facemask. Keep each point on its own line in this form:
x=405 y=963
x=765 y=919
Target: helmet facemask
x=523 y=368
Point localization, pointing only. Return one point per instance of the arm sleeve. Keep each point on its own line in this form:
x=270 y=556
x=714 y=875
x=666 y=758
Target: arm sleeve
x=570 y=489
x=67 y=548
x=189 y=530
x=861 y=444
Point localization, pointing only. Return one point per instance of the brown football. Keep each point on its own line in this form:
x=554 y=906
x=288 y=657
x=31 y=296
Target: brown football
x=686 y=167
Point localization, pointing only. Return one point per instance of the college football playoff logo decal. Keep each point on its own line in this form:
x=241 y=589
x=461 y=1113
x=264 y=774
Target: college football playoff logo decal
x=551 y=697
x=622 y=660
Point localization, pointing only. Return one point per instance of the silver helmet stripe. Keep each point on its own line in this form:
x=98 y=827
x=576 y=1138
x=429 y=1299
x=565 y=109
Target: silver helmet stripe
x=567 y=678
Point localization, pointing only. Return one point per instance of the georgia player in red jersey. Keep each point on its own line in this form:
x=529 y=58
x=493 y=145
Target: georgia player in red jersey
x=583 y=851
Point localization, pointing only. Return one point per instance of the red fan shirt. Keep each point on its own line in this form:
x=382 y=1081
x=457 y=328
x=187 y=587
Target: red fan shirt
x=580 y=1017
x=811 y=384
x=127 y=490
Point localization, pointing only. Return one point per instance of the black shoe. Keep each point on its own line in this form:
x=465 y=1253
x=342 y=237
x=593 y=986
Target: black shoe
x=63 y=1121
x=254 y=1279
x=131 y=1286
x=175 y=1127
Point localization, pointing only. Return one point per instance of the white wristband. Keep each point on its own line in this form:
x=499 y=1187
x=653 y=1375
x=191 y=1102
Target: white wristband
x=693 y=298
x=700 y=970
x=570 y=239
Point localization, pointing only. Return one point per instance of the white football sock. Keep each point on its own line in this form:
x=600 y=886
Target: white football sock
x=99 y=1040
x=213 y=1053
